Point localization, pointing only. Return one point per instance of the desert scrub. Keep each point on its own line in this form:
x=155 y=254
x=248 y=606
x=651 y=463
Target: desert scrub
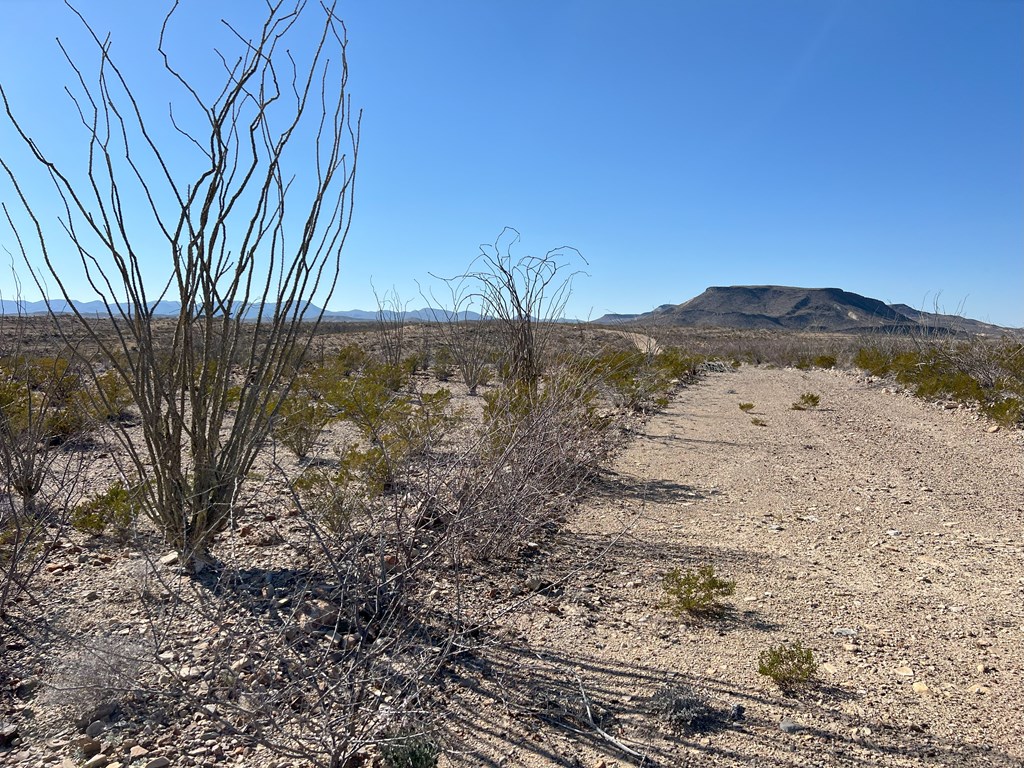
x=807 y=400
x=975 y=371
x=118 y=508
x=634 y=379
x=444 y=364
x=759 y=422
x=410 y=751
x=788 y=666
x=695 y=592
x=746 y=407
x=300 y=419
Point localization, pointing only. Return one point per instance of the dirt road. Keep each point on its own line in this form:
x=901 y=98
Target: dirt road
x=880 y=531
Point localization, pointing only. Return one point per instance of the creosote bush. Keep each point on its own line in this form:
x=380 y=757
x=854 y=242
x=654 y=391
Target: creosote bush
x=118 y=507
x=746 y=407
x=695 y=592
x=990 y=374
x=410 y=751
x=807 y=400
x=789 y=666
x=759 y=422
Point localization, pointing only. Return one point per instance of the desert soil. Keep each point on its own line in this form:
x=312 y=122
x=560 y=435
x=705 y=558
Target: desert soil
x=881 y=531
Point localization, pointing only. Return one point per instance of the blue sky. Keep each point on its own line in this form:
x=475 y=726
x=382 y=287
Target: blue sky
x=871 y=145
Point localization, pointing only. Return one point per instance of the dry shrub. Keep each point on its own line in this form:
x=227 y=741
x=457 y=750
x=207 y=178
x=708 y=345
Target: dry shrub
x=536 y=450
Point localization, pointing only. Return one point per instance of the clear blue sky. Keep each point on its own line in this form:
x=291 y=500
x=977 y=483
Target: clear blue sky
x=871 y=145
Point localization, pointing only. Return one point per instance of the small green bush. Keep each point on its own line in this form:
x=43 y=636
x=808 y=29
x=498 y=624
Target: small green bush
x=789 y=666
x=329 y=497
x=759 y=422
x=299 y=421
x=1008 y=411
x=410 y=751
x=746 y=407
x=825 y=361
x=807 y=400
x=444 y=364
x=118 y=508
x=873 y=361
x=695 y=592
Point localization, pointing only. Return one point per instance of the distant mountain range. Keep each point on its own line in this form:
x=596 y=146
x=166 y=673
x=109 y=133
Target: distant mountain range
x=779 y=307
x=748 y=307
x=171 y=308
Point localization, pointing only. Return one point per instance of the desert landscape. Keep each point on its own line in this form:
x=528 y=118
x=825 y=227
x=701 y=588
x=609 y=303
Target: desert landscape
x=379 y=596
x=471 y=525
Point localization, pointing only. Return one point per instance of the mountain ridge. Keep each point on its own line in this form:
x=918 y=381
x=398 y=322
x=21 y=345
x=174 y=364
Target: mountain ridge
x=780 y=307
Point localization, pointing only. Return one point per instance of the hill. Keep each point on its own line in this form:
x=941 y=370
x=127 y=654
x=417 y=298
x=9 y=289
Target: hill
x=826 y=310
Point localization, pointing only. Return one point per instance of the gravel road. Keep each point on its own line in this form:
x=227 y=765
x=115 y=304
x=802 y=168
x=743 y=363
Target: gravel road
x=881 y=531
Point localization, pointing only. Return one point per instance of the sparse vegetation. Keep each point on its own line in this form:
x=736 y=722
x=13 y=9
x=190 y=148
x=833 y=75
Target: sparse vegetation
x=411 y=750
x=117 y=508
x=790 y=667
x=807 y=400
x=988 y=374
x=696 y=592
x=759 y=422
x=746 y=407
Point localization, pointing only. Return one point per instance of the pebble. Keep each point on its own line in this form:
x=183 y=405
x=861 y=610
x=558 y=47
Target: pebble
x=171 y=558
x=920 y=687
x=904 y=671
x=844 y=632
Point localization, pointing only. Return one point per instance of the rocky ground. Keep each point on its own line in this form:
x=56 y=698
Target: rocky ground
x=880 y=531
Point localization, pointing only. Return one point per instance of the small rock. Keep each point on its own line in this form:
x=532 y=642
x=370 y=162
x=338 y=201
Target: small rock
x=95 y=728
x=137 y=752
x=789 y=725
x=737 y=712
x=829 y=668
x=920 y=687
x=8 y=733
x=189 y=673
x=88 y=745
x=844 y=632
x=171 y=558
x=851 y=647
x=535 y=584
x=904 y=671
x=993 y=428
x=96 y=761
x=160 y=762
x=979 y=689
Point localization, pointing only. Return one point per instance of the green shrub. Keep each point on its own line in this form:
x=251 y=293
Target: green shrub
x=695 y=592
x=329 y=497
x=759 y=422
x=1008 y=411
x=679 y=365
x=444 y=364
x=118 y=507
x=807 y=400
x=410 y=751
x=370 y=401
x=299 y=421
x=746 y=407
x=825 y=361
x=414 y=363
x=789 y=666
x=873 y=361
x=113 y=396
x=635 y=380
